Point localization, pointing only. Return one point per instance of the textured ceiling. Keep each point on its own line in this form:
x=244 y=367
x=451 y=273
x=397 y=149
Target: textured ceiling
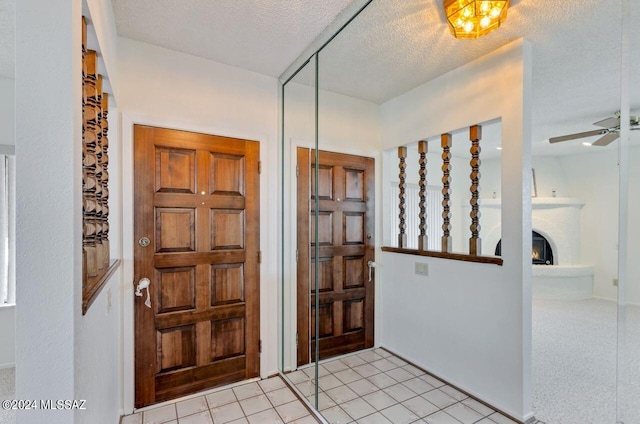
x=258 y=35
x=394 y=46
x=7 y=38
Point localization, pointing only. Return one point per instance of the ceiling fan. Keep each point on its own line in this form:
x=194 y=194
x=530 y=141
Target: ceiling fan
x=610 y=131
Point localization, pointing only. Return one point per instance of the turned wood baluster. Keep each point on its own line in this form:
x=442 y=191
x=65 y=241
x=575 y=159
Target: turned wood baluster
x=445 y=141
x=104 y=127
x=475 y=134
x=97 y=107
x=402 y=237
x=91 y=185
x=422 y=238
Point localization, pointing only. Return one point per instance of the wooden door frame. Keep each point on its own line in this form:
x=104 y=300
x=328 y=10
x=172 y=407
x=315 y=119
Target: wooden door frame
x=122 y=175
x=291 y=240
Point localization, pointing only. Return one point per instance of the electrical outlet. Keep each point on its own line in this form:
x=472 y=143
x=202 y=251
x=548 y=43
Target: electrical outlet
x=422 y=269
x=615 y=282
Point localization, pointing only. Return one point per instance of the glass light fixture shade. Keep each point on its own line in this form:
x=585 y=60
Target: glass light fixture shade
x=475 y=18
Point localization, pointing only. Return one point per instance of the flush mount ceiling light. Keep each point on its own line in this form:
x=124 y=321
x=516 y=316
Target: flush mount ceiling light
x=475 y=18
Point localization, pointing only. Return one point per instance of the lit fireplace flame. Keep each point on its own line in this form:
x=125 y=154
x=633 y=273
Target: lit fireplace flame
x=535 y=254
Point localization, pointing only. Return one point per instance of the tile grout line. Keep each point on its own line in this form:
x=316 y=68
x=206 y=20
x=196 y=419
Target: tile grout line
x=406 y=364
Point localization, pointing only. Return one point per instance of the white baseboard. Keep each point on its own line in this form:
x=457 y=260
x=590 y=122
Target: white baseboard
x=7 y=365
x=608 y=299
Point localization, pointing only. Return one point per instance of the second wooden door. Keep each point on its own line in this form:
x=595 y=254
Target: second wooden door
x=345 y=246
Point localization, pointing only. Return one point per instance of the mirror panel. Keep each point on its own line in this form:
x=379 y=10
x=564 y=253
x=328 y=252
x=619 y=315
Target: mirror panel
x=395 y=77
x=299 y=221
x=628 y=388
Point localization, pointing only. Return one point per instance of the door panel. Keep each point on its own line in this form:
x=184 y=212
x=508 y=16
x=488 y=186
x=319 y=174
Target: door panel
x=346 y=217
x=196 y=199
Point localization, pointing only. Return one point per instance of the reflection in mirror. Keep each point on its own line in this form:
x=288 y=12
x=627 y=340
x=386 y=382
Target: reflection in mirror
x=394 y=78
x=576 y=211
x=628 y=391
x=7 y=206
x=299 y=140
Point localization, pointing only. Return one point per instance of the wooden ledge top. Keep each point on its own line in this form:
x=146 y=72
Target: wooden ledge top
x=442 y=255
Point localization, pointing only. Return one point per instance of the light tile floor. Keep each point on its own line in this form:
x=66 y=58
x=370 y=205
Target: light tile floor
x=267 y=401
x=393 y=391
x=377 y=387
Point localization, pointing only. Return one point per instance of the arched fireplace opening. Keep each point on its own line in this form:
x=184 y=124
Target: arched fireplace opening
x=541 y=252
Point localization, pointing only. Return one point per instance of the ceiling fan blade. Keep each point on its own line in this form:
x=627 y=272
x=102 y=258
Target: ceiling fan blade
x=608 y=123
x=576 y=136
x=607 y=139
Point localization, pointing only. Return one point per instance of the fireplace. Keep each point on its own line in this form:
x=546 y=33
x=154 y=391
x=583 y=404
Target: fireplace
x=541 y=252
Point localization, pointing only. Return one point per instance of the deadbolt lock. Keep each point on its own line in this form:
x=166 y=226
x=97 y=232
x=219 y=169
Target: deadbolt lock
x=144 y=241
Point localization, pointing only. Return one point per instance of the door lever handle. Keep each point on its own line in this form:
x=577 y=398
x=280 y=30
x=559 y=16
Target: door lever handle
x=144 y=283
x=371 y=265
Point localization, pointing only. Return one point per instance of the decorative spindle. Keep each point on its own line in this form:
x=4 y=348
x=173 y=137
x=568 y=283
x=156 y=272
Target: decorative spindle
x=475 y=134
x=90 y=160
x=100 y=188
x=104 y=141
x=422 y=238
x=402 y=237
x=95 y=177
x=446 y=194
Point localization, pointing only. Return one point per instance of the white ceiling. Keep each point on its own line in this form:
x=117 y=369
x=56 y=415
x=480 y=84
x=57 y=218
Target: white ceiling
x=7 y=38
x=258 y=35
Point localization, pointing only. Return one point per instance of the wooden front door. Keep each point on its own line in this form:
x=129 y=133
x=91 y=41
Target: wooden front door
x=346 y=245
x=196 y=235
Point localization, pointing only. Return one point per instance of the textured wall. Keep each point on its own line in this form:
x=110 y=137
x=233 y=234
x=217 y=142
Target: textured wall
x=48 y=172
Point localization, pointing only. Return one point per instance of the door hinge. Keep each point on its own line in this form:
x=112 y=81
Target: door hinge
x=297 y=339
x=259 y=167
x=260 y=257
x=297 y=171
x=260 y=346
x=297 y=254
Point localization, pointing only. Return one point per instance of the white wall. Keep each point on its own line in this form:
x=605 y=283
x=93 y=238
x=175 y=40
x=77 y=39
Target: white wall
x=7 y=111
x=550 y=175
x=594 y=178
x=166 y=88
x=466 y=322
x=7 y=137
x=7 y=336
x=49 y=207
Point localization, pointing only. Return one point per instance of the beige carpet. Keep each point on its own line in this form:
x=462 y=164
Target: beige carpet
x=575 y=360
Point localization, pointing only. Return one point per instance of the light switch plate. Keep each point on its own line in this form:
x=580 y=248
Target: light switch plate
x=422 y=269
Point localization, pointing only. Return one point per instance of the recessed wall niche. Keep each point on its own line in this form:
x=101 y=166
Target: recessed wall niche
x=97 y=265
